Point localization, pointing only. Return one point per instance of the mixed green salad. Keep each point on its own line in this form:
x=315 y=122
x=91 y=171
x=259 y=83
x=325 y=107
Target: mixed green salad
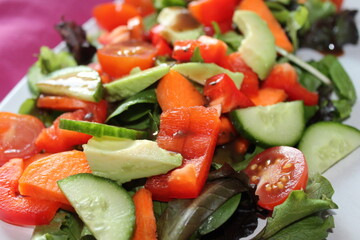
x=183 y=120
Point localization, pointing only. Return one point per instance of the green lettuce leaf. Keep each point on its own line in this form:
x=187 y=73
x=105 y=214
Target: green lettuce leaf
x=64 y=226
x=299 y=205
x=310 y=228
x=48 y=62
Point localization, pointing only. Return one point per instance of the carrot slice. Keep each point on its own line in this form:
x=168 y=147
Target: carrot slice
x=269 y=96
x=40 y=177
x=145 y=225
x=259 y=7
x=175 y=91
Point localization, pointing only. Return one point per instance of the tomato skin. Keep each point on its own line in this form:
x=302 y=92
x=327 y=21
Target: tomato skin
x=17 y=209
x=191 y=131
x=284 y=76
x=211 y=49
x=17 y=136
x=208 y=11
x=119 y=59
x=277 y=171
x=111 y=15
x=221 y=89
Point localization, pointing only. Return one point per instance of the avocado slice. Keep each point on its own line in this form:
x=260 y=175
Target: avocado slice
x=200 y=72
x=79 y=82
x=179 y=24
x=258 y=47
x=123 y=159
x=131 y=84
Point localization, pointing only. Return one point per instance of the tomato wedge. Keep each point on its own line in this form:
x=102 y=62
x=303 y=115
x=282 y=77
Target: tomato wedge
x=17 y=136
x=118 y=59
x=111 y=15
x=277 y=171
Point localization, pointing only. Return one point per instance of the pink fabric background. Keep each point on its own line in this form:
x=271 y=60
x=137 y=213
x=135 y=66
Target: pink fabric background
x=26 y=25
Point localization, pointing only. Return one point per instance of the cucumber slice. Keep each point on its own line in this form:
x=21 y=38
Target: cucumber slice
x=104 y=206
x=280 y=124
x=99 y=130
x=79 y=82
x=326 y=143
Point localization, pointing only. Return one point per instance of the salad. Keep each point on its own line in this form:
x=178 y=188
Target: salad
x=177 y=121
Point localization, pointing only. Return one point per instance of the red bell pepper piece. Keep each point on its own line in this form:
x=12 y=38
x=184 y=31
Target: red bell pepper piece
x=284 y=76
x=212 y=50
x=53 y=139
x=17 y=209
x=221 y=89
x=162 y=46
x=235 y=63
x=191 y=131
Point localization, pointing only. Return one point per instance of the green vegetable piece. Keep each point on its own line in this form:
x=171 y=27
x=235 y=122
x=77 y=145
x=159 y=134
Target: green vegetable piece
x=160 y=4
x=258 y=47
x=130 y=85
x=63 y=226
x=99 y=130
x=183 y=217
x=175 y=27
x=326 y=143
x=123 y=160
x=79 y=82
x=344 y=87
x=220 y=216
x=48 y=62
x=106 y=208
x=147 y=96
x=297 y=206
x=313 y=227
x=200 y=72
x=280 y=124
x=319 y=9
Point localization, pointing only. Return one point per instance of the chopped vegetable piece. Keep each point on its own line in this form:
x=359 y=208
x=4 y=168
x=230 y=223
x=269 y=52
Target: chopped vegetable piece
x=118 y=59
x=259 y=7
x=111 y=15
x=145 y=222
x=17 y=136
x=175 y=91
x=277 y=171
x=191 y=131
x=17 y=209
x=220 y=89
x=39 y=178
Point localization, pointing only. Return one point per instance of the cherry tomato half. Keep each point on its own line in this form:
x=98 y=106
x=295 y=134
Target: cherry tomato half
x=277 y=171
x=17 y=136
x=119 y=58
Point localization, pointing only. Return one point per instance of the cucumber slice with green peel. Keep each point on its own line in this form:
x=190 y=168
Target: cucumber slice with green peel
x=326 y=143
x=99 y=129
x=131 y=84
x=105 y=207
x=280 y=124
x=79 y=82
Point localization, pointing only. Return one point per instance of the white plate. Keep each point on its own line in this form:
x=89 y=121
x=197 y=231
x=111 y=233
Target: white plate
x=344 y=176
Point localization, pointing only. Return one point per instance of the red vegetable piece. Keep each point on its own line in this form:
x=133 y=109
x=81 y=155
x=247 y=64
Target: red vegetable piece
x=17 y=209
x=221 y=89
x=191 y=131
